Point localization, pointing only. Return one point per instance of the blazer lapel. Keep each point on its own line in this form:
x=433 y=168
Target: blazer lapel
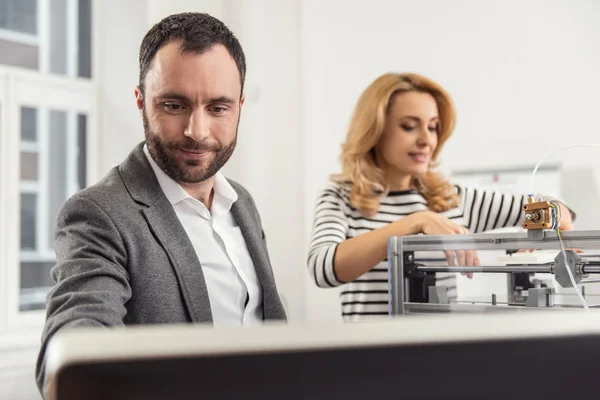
x=172 y=236
x=143 y=187
x=253 y=235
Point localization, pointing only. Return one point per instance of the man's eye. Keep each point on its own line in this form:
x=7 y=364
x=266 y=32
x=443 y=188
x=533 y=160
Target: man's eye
x=174 y=107
x=218 y=110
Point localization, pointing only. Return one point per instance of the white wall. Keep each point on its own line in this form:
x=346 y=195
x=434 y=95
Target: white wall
x=523 y=75
x=117 y=39
x=157 y=9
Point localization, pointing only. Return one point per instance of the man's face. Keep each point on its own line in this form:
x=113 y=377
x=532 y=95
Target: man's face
x=191 y=108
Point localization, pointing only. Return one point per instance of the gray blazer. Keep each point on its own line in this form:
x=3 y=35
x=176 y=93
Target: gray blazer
x=124 y=258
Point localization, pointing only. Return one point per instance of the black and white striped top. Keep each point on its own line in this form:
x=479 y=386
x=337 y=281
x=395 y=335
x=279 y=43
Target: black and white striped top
x=337 y=220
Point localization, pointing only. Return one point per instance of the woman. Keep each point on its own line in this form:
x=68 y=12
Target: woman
x=388 y=187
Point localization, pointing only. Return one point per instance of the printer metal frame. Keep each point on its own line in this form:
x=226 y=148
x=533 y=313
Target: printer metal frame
x=411 y=285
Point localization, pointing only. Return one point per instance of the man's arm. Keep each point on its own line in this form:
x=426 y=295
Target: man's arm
x=92 y=283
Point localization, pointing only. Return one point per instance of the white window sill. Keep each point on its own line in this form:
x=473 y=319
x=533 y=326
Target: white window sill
x=22 y=339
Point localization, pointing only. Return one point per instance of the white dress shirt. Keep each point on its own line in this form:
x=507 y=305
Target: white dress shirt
x=221 y=249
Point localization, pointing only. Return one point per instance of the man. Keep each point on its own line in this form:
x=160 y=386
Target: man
x=165 y=237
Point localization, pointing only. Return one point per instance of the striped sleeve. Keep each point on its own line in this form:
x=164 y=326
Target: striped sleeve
x=329 y=229
x=486 y=210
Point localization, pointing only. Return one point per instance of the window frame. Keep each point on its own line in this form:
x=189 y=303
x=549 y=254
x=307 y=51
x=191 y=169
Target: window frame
x=19 y=37
x=4 y=162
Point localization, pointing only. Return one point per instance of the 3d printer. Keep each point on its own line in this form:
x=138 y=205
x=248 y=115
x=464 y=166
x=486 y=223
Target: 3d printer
x=413 y=283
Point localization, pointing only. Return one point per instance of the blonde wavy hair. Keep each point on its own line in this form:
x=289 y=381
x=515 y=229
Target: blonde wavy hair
x=359 y=158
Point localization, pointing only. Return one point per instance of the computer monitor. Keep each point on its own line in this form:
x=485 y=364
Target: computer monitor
x=529 y=356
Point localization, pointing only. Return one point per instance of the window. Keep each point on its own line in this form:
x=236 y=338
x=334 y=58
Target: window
x=46 y=131
x=47 y=35
x=53 y=154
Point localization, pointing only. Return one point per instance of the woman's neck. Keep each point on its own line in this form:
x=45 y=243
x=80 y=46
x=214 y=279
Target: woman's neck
x=398 y=182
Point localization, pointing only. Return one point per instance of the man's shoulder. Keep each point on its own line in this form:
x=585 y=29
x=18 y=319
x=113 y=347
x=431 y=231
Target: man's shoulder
x=106 y=193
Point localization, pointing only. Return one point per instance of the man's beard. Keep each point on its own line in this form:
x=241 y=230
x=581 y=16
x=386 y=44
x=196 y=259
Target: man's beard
x=164 y=154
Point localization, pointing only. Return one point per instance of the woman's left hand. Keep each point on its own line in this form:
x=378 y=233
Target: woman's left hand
x=566 y=221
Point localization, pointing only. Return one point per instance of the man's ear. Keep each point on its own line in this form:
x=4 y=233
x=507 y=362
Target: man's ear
x=139 y=98
x=242 y=100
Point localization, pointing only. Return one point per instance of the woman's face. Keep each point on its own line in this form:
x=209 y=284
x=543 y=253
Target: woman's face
x=410 y=135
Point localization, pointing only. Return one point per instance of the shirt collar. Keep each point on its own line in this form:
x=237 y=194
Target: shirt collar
x=175 y=193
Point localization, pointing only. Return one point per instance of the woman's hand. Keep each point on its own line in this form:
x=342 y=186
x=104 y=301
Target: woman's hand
x=432 y=223
x=566 y=221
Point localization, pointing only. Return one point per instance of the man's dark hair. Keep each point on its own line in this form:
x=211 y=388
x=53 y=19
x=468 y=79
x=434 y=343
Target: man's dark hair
x=198 y=32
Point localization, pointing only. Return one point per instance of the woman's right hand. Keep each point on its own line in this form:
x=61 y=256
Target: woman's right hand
x=432 y=223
